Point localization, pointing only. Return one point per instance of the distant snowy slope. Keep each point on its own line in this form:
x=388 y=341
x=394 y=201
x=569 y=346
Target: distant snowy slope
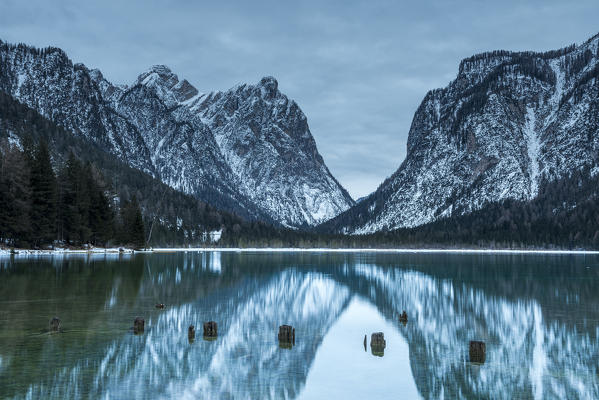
x=508 y=121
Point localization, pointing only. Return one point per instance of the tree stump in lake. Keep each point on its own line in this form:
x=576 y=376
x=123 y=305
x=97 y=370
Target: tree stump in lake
x=55 y=324
x=478 y=351
x=210 y=329
x=286 y=336
x=378 y=344
x=365 y=342
x=403 y=317
x=191 y=333
x=139 y=325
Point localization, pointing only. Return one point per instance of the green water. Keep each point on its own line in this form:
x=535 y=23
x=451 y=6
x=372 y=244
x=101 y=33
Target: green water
x=537 y=314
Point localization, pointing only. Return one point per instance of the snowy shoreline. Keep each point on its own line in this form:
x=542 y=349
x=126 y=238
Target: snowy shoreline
x=61 y=251
x=98 y=251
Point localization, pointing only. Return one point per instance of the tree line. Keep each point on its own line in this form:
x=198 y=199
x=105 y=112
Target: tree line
x=72 y=207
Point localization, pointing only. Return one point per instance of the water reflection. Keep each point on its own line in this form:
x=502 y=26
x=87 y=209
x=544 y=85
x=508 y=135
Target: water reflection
x=538 y=316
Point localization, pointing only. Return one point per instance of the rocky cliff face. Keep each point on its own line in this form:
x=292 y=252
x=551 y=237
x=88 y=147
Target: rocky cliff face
x=248 y=150
x=265 y=139
x=507 y=122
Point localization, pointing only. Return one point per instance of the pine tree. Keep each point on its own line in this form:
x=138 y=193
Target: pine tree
x=85 y=186
x=14 y=195
x=138 y=235
x=100 y=214
x=43 y=197
x=132 y=230
x=68 y=213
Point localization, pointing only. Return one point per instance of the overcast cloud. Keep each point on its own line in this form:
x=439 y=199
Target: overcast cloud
x=358 y=70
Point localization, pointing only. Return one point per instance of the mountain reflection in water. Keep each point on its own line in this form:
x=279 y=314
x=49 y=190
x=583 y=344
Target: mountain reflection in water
x=537 y=314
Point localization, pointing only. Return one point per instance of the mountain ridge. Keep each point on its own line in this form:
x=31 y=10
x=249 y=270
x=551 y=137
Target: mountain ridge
x=507 y=121
x=153 y=126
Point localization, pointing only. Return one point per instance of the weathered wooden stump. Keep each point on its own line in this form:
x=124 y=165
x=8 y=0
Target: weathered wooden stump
x=378 y=340
x=403 y=317
x=378 y=344
x=55 y=324
x=139 y=325
x=160 y=306
x=210 y=329
x=286 y=334
x=191 y=333
x=478 y=351
x=286 y=345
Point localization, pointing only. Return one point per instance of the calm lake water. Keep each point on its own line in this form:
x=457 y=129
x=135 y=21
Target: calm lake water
x=537 y=314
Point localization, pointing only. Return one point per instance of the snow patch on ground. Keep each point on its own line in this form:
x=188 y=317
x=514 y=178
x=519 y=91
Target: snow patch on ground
x=14 y=140
x=212 y=236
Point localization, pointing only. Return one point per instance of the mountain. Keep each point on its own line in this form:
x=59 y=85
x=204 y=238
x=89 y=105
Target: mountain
x=174 y=218
x=509 y=121
x=247 y=150
x=265 y=139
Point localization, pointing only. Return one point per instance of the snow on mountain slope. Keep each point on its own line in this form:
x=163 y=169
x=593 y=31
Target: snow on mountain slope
x=505 y=123
x=47 y=81
x=248 y=150
x=266 y=141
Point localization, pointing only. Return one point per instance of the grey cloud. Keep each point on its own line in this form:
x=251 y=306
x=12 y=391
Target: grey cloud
x=358 y=69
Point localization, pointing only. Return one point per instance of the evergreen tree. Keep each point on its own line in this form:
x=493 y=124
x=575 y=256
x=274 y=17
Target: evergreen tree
x=14 y=195
x=85 y=186
x=132 y=230
x=43 y=197
x=69 y=218
x=100 y=214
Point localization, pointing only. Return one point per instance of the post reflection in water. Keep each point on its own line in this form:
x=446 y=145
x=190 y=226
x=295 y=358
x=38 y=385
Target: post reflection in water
x=537 y=315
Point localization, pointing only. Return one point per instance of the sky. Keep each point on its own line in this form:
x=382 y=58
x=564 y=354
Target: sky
x=358 y=69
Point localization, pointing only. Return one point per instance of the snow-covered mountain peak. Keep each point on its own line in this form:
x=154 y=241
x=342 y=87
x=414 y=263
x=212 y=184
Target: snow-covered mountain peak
x=269 y=87
x=165 y=83
x=158 y=74
x=96 y=75
x=184 y=90
x=509 y=121
x=264 y=136
x=247 y=150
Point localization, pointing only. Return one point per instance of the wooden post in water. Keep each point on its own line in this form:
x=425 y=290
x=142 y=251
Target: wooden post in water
x=478 y=351
x=138 y=325
x=378 y=344
x=55 y=324
x=286 y=336
x=191 y=333
x=210 y=329
x=403 y=317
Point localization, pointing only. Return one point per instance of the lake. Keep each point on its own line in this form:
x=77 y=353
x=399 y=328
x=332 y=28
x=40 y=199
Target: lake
x=538 y=316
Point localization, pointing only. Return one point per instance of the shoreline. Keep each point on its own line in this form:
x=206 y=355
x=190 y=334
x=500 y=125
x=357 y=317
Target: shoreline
x=164 y=250
x=350 y=250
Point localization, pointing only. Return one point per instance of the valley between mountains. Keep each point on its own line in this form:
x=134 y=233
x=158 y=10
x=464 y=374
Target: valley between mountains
x=514 y=134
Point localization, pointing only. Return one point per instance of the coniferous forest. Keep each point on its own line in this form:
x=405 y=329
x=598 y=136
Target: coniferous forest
x=72 y=206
